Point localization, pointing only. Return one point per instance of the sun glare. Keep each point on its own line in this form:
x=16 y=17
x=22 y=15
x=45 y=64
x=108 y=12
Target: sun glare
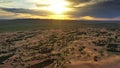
x=57 y=6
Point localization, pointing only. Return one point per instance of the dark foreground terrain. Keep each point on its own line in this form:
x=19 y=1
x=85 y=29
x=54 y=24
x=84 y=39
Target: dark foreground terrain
x=59 y=44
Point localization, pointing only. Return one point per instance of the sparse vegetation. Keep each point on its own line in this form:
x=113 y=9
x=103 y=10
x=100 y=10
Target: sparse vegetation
x=57 y=48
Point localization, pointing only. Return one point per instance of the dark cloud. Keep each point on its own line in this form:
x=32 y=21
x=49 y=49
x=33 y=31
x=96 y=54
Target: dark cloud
x=26 y=11
x=78 y=1
x=86 y=1
x=106 y=9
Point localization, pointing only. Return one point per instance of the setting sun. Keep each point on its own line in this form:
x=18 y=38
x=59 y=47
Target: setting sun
x=56 y=9
x=57 y=6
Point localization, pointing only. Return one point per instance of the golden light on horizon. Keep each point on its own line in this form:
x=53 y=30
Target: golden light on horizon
x=63 y=17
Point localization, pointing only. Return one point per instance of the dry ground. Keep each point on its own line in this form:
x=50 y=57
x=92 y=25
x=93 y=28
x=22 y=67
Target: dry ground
x=78 y=48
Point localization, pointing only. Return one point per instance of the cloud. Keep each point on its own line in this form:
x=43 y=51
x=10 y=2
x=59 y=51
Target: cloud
x=83 y=3
x=102 y=9
x=5 y=15
x=94 y=18
x=6 y=1
x=81 y=9
x=78 y=1
x=26 y=11
x=11 y=15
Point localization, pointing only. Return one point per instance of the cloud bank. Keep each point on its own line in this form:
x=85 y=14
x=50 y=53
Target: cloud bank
x=82 y=9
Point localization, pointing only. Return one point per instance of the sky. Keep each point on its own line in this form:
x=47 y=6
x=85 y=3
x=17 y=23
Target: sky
x=60 y=9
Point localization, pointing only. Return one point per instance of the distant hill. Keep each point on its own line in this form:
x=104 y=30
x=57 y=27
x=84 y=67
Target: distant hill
x=32 y=24
x=50 y=20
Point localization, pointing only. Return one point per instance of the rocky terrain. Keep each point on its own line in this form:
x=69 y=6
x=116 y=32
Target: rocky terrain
x=77 y=48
